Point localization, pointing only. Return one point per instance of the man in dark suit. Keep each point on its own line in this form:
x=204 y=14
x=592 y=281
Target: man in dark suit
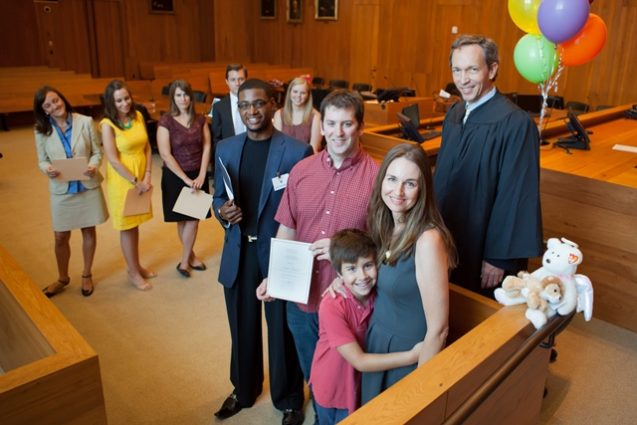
x=226 y=120
x=257 y=163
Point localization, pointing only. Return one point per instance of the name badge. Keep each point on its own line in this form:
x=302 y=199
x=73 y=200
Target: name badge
x=280 y=182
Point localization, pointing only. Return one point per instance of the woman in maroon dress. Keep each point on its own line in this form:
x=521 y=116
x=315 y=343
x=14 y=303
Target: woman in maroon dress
x=183 y=139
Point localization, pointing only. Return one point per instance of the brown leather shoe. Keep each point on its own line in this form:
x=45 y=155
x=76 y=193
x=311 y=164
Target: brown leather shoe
x=230 y=407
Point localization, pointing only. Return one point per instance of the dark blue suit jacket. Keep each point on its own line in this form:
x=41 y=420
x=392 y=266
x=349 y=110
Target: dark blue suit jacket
x=284 y=153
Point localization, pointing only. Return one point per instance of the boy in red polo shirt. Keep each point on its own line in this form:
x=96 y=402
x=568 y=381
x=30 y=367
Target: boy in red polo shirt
x=339 y=358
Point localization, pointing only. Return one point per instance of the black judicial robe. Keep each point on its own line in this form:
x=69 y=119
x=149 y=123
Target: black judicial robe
x=487 y=187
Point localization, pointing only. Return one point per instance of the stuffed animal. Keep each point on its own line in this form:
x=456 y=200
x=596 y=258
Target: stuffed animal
x=542 y=297
x=559 y=261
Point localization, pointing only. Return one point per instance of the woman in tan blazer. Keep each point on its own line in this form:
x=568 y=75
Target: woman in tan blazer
x=78 y=204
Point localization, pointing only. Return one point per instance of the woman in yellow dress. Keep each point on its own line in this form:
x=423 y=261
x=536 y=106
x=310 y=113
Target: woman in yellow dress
x=129 y=166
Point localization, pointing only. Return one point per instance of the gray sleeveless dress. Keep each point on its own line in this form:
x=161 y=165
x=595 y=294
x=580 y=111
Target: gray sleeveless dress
x=397 y=324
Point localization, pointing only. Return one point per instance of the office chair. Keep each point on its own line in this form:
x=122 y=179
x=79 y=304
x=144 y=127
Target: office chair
x=452 y=89
x=318 y=82
x=339 y=84
x=317 y=97
x=360 y=87
x=165 y=91
x=577 y=107
x=555 y=102
x=199 y=96
x=151 y=126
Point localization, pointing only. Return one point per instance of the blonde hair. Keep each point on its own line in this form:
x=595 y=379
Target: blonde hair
x=287 y=108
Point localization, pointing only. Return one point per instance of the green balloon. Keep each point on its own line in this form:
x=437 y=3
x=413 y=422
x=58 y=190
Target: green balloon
x=535 y=58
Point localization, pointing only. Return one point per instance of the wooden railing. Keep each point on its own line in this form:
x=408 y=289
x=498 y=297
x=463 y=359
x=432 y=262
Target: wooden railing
x=49 y=374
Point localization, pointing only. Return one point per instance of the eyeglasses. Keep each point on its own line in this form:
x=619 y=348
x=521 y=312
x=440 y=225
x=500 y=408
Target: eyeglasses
x=256 y=104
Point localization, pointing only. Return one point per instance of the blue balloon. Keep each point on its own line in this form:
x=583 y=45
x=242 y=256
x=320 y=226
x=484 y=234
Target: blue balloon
x=561 y=20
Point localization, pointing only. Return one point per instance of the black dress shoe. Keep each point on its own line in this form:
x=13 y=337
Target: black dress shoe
x=292 y=417
x=230 y=407
x=183 y=272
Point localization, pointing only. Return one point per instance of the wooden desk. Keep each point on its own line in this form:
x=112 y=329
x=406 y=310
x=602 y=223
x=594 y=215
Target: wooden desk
x=378 y=140
x=382 y=114
x=48 y=372
x=590 y=197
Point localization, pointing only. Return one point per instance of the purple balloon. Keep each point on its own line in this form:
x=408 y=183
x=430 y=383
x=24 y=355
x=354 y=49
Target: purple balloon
x=561 y=20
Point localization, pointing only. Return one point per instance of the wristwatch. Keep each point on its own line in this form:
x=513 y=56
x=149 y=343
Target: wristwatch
x=134 y=182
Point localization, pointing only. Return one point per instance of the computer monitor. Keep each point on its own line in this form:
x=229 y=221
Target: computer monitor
x=413 y=113
x=579 y=136
x=409 y=130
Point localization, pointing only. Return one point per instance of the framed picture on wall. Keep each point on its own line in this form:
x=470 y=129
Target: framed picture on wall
x=295 y=11
x=326 y=10
x=162 y=6
x=268 y=9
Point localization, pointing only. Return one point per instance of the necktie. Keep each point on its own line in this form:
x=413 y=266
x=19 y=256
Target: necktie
x=466 y=115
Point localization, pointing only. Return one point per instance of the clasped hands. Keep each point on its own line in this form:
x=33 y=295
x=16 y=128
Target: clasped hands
x=197 y=183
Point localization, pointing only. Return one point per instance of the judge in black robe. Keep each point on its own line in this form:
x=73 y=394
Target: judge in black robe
x=487 y=187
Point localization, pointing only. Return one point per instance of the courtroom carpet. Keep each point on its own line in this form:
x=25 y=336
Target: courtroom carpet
x=164 y=354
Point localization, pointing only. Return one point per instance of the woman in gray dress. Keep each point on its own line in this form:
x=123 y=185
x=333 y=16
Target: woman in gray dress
x=415 y=254
x=63 y=134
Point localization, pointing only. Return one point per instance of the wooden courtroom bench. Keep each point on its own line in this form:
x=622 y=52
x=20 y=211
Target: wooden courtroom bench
x=16 y=92
x=48 y=372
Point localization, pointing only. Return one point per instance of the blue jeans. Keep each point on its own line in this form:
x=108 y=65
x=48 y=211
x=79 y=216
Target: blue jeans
x=329 y=415
x=304 y=328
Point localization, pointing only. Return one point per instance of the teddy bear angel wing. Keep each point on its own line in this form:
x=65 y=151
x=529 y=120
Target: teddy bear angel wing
x=584 y=295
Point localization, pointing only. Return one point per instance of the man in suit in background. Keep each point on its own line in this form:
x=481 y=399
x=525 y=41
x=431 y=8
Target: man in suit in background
x=258 y=163
x=226 y=120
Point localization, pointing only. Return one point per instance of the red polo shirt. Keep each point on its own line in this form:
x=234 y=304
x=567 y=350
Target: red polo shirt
x=320 y=200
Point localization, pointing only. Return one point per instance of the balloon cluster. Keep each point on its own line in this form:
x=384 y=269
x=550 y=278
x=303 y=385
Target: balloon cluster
x=559 y=32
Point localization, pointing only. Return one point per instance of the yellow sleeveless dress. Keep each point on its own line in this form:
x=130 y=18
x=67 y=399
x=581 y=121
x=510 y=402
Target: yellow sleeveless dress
x=131 y=144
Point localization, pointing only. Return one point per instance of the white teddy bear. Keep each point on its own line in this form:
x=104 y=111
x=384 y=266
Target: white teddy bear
x=560 y=260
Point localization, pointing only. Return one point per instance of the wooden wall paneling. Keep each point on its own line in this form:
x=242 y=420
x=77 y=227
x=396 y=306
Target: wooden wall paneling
x=64 y=34
x=143 y=37
x=109 y=37
x=364 y=41
x=206 y=30
x=233 y=26
x=18 y=24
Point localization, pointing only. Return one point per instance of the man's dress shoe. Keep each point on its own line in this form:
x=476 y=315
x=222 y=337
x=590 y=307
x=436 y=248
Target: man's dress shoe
x=292 y=417
x=230 y=407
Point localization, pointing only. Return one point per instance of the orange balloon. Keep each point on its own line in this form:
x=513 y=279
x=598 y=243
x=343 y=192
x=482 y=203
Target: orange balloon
x=586 y=44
